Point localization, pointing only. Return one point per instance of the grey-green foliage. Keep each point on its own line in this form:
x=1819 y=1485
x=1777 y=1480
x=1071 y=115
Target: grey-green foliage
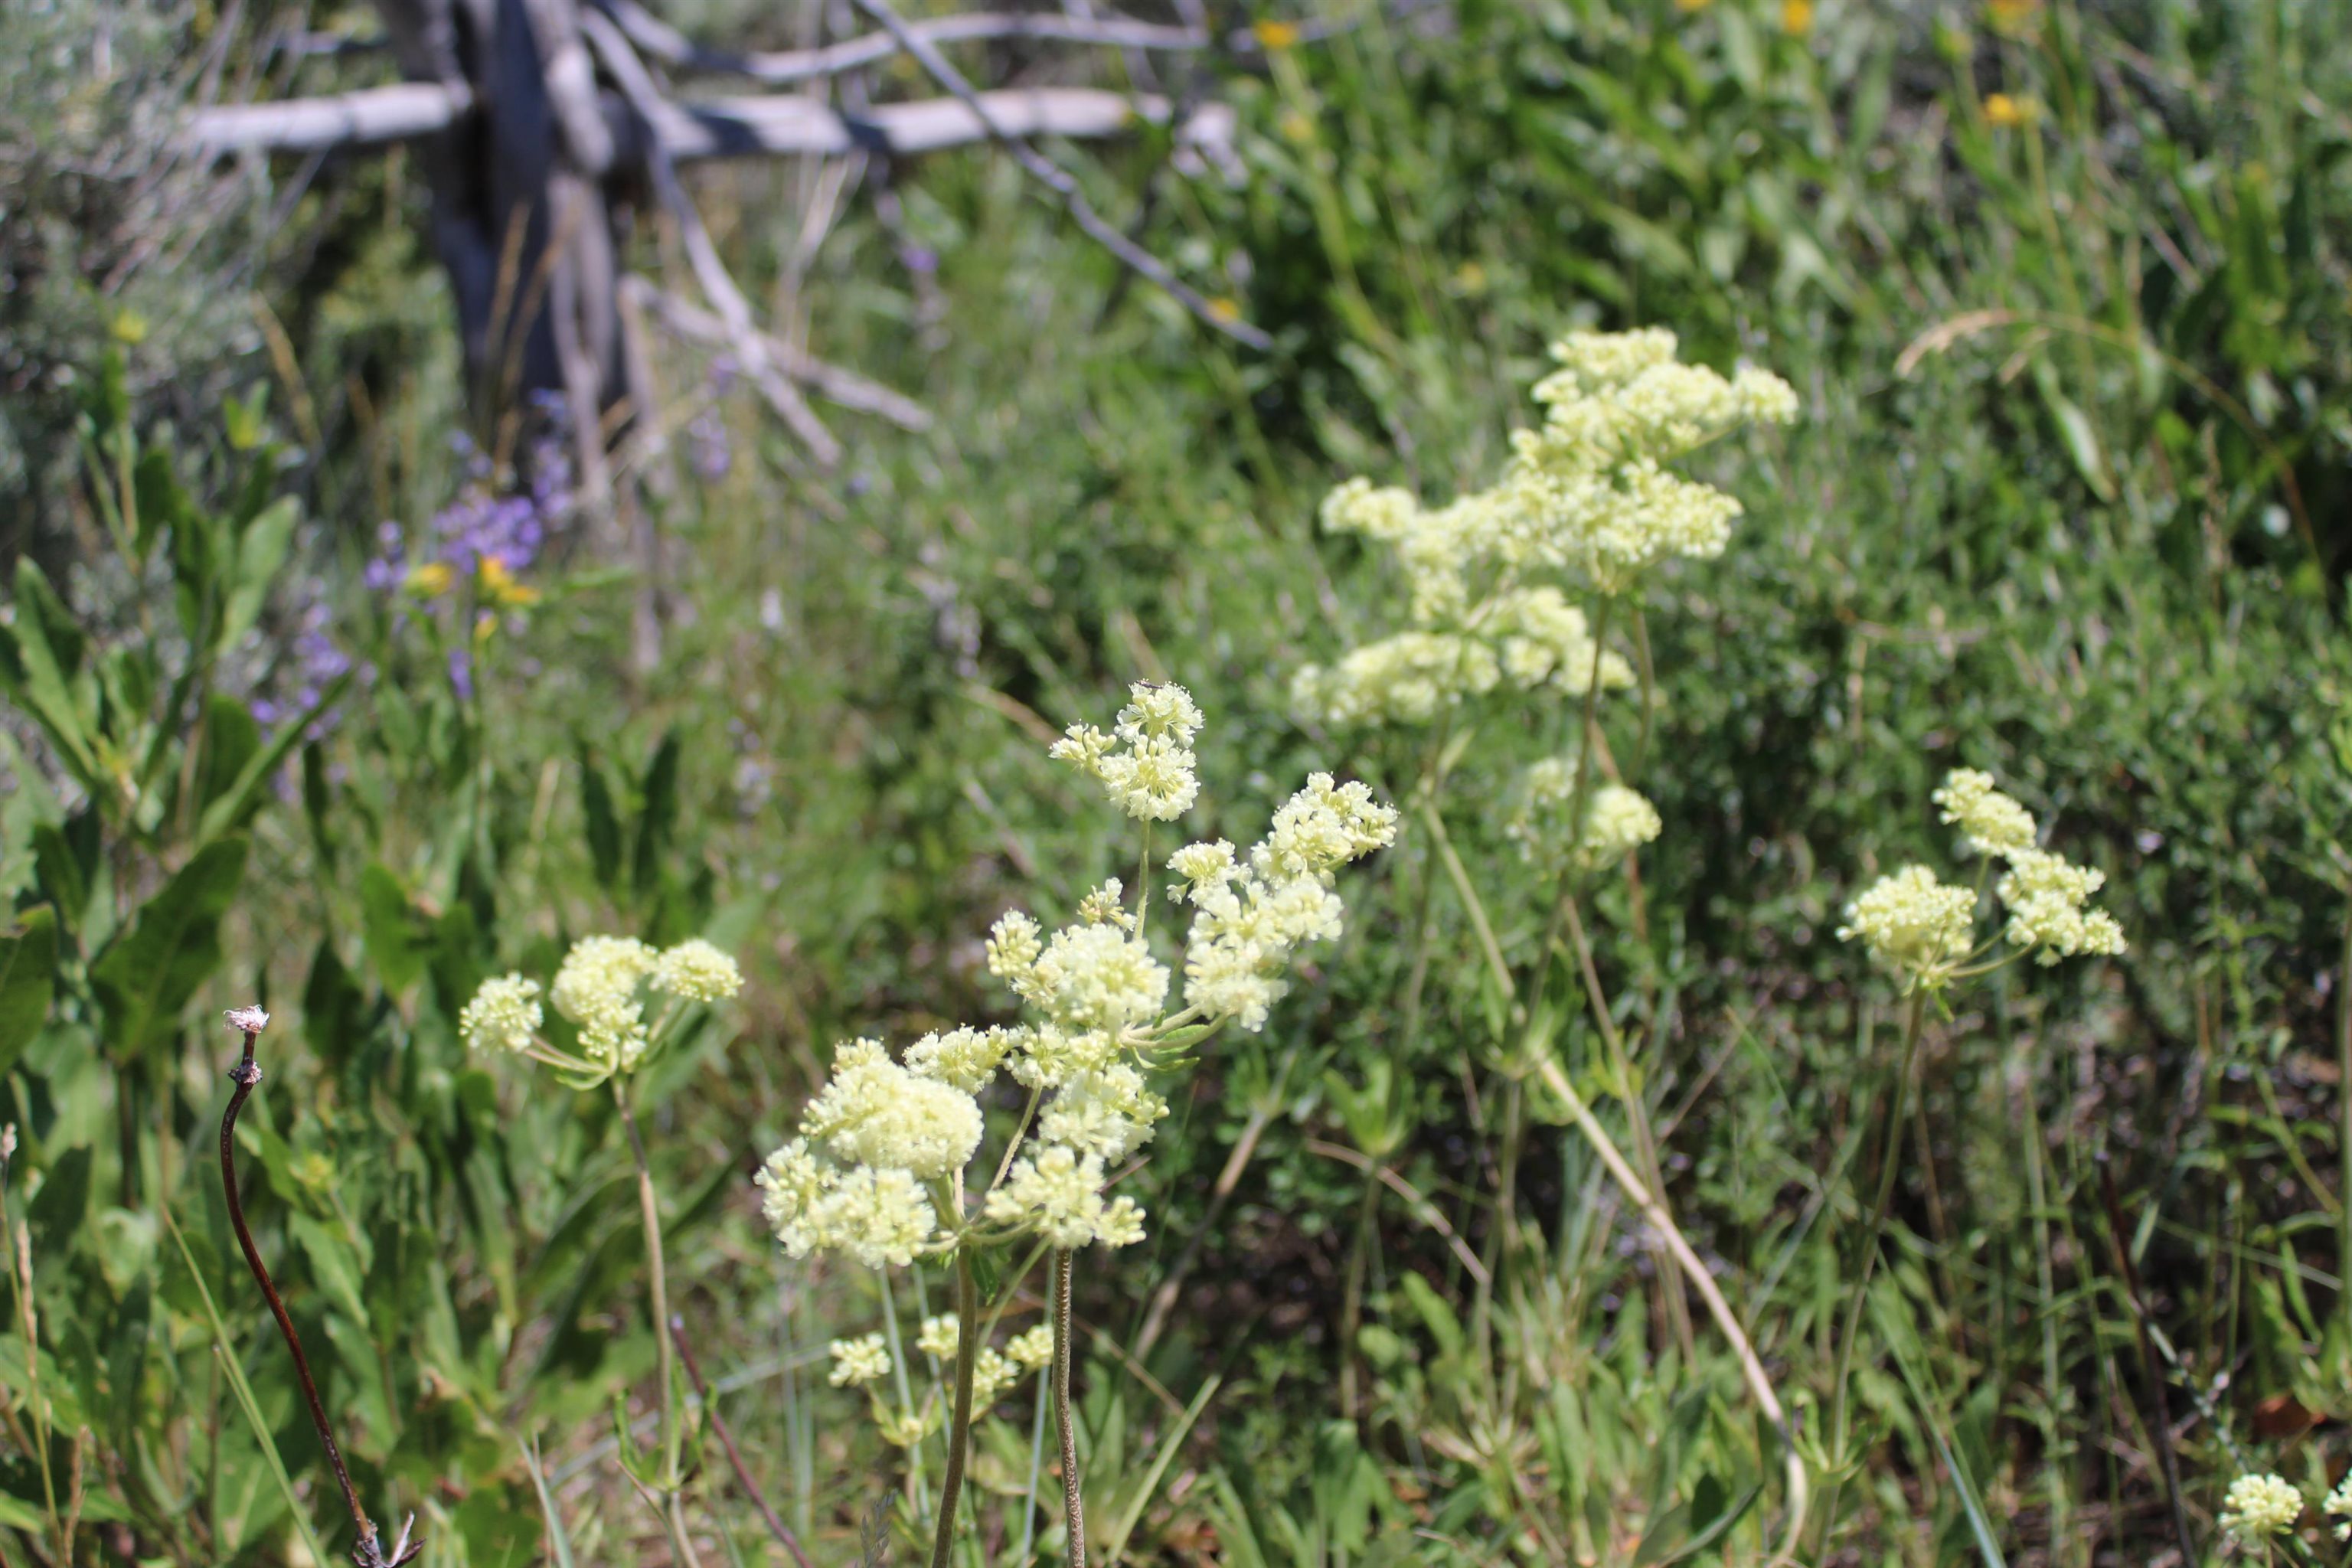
x=103 y=229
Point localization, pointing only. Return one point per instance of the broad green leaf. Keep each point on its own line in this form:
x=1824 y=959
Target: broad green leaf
x=232 y=737
x=333 y=1264
x=29 y=964
x=399 y=936
x=60 y=1209
x=603 y=823
x=238 y=800
x=261 y=550
x=150 y=973
x=658 y=815
x=40 y=653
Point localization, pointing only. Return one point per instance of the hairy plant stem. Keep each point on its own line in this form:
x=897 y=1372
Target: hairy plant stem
x=369 y=1552
x=1074 y=1505
x=959 y=1428
x=1850 y=1329
x=657 y=1284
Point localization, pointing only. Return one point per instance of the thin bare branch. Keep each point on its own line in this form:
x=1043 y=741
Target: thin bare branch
x=781 y=68
x=710 y=272
x=750 y=127
x=831 y=381
x=367 y=117
x=1062 y=184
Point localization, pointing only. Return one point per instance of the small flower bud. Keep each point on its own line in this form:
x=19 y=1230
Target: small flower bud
x=246 y=1020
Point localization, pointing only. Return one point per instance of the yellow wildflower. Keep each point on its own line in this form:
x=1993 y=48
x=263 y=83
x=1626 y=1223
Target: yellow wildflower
x=500 y=586
x=429 y=579
x=2013 y=15
x=2002 y=111
x=1796 y=17
x=1272 y=35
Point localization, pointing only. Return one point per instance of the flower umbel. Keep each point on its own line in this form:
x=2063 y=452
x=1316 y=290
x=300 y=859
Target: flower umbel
x=2257 y=1509
x=1916 y=928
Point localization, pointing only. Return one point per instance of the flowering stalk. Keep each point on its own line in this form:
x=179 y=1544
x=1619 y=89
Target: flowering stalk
x=878 y=1171
x=960 y=1427
x=1074 y=1502
x=600 y=989
x=247 y=1074
x=1890 y=1160
x=657 y=1286
x=1922 y=931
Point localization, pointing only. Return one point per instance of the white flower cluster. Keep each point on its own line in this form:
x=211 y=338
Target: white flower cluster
x=1923 y=929
x=1617 y=820
x=504 y=1016
x=1587 y=494
x=878 y=1170
x=1145 y=765
x=1990 y=822
x=2339 y=1507
x=1249 y=918
x=865 y=1359
x=2257 y=1509
x=600 y=989
x=2045 y=895
x=1916 y=927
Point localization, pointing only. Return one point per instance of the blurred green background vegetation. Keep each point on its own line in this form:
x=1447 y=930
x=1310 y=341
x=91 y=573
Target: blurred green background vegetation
x=2063 y=289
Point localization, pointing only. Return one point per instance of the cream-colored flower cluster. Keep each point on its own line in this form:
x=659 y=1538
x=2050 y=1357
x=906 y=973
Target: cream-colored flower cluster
x=601 y=990
x=866 y=1361
x=1146 y=763
x=1617 y=820
x=1924 y=931
x=2257 y=1509
x=1249 y=918
x=1588 y=493
x=881 y=1169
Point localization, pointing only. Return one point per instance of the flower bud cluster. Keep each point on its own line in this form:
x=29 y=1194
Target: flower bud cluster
x=600 y=989
x=1588 y=493
x=1146 y=763
x=1923 y=930
x=1616 y=820
x=881 y=1169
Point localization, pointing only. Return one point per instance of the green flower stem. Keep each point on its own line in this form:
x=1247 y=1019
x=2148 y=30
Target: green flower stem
x=1074 y=1505
x=1585 y=730
x=1351 y=1312
x=1654 y=1210
x=1890 y=1162
x=1143 y=881
x=1012 y=1144
x=1036 y=1468
x=1637 y=1105
x=1499 y=1237
x=906 y=1389
x=1649 y=677
x=960 y=1430
x=1462 y=885
x=649 y=1213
